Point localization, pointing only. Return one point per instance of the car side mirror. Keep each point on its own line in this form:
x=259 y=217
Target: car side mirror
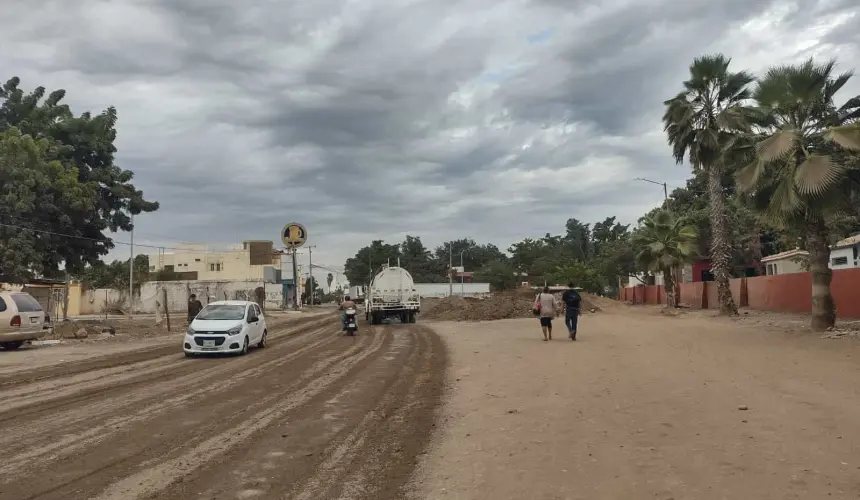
x=251 y=319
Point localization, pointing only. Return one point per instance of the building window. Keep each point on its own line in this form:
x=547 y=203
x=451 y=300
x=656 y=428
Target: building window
x=211 y=267
x=771 y=269
x=840 y=261
x=218 y=266
x=196 y=260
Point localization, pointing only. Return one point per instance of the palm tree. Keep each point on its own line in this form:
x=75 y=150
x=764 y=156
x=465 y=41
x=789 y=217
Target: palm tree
x=801 y=150
x=664 y=243
x=329 y=278
x=699 y=123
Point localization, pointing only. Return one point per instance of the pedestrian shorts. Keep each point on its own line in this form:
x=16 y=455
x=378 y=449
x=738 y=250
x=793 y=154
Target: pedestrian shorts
x=546 y=322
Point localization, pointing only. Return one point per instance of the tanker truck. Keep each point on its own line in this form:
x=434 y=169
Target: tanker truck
x=392 y=294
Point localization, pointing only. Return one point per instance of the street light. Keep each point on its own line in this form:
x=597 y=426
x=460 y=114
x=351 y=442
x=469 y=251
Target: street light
x=665 y=187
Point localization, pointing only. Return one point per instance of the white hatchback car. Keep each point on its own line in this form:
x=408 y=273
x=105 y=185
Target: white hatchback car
x=226 y=327
x=21 y=319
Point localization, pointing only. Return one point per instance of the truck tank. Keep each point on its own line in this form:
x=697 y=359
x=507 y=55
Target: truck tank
x=392 y=293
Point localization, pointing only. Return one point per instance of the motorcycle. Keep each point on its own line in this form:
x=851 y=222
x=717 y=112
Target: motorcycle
x=351 y=325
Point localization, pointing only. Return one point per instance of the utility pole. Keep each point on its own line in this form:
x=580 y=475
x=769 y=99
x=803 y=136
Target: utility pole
x=462 y=278
x=131 y=273
x=450 y=270
x=311 y=275
x=665 y=188
x=295 y=281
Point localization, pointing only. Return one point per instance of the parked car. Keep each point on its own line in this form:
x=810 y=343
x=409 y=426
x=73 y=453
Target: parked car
x=226 y=326
x=21 y=319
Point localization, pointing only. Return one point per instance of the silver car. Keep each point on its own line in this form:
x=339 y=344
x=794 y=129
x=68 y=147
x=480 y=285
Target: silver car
x=21 y=319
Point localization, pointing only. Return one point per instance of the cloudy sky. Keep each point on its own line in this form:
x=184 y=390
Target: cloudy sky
x=491 y=119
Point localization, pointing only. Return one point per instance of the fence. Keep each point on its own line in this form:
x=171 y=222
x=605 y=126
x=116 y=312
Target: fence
x=781 y=293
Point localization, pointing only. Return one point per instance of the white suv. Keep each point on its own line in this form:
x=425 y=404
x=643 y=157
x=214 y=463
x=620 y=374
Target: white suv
x=226 y=326
x=21 y=319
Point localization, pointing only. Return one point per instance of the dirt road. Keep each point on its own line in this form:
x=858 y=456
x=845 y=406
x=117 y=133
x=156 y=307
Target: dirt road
x=312 y=416
x=645 y=406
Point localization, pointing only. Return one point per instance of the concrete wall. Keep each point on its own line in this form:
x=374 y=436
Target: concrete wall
x=442 y=289
x=151 y=293
x=781 y=293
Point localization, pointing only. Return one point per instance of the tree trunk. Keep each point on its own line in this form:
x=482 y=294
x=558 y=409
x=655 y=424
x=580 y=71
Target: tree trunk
x=721 y=249
x=669 y=287
x=823 y=307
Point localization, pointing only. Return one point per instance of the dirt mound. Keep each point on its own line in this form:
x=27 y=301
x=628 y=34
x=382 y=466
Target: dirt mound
x=505 y=305
x=496 y=306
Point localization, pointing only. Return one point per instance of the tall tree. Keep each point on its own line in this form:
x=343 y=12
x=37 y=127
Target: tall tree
x=801 y=157
x=84 y=146
x=37 y=194
x=664 y=243
x=329 y=279
x=368 y=260
x=700 y=122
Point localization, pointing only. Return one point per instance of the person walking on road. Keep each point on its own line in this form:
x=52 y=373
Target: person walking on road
x=572 y=308
x=547 y=309
x=194 y=307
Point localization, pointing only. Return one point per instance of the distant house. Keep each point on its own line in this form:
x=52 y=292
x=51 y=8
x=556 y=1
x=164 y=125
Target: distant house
x=844 y=254
x=789 y=262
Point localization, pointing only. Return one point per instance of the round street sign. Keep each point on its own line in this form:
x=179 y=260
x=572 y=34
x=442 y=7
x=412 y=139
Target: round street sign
x=294 y=235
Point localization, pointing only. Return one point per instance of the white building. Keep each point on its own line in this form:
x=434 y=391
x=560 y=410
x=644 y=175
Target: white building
x=789 y=262
x=250 y=260
x=844 y=254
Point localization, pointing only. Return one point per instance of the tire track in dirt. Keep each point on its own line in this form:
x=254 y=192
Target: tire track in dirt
x=21 y=452
x=145 y=444
x=114 y=360
x=364 y=407
x=358 y=440
x=21 y=402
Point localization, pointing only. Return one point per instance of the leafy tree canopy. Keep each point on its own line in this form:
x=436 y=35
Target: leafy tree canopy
x=60 y=184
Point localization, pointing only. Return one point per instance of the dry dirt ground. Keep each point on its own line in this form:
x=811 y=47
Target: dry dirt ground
x=313 y=416
x=646 y=406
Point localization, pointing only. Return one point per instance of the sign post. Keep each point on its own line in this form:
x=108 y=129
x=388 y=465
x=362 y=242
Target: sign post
x=294 y=235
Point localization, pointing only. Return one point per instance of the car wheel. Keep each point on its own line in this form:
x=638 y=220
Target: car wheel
x=245 y=346
x=262 y=343
x=10 y=346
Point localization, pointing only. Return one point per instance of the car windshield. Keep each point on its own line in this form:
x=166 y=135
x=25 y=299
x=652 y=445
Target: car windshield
x=222 y=312
x=26 y=303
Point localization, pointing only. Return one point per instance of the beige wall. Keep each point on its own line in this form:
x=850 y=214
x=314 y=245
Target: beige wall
x=788 y=265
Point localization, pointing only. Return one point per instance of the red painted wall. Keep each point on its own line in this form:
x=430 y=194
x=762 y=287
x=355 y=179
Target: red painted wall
x=845 y=288
x=784 y=293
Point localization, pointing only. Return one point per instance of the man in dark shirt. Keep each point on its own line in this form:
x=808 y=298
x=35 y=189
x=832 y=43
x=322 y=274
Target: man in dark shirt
x=572 y=302
x=194 y=307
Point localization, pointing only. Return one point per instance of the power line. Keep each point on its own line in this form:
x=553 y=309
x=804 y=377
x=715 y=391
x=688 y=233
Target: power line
x=145 y=235
x=85 y=238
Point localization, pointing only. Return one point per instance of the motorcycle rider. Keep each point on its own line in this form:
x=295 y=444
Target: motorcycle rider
x=346 y=304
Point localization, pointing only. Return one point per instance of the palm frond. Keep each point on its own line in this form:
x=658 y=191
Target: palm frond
x=849 y=111
x=785 y=200
x=817 y=174
x=748 y=177
x=846 y=136
x=779 y=145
